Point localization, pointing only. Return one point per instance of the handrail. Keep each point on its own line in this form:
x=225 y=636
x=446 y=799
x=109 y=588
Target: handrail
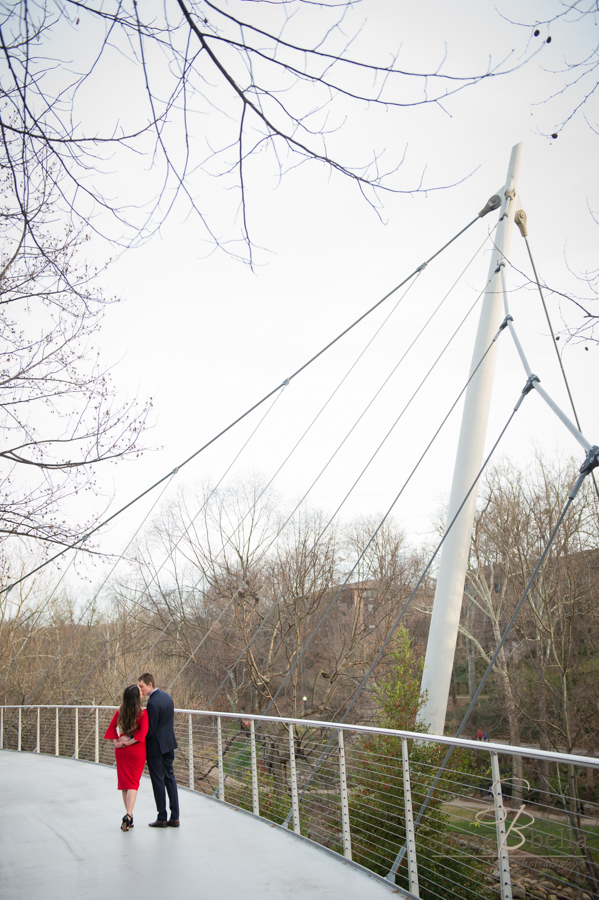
x=508 y=749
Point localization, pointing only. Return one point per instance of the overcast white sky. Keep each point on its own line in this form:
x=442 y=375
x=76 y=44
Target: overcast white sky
x=206 y=336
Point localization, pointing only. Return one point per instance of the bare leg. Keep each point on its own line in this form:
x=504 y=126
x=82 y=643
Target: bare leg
x=129 y=797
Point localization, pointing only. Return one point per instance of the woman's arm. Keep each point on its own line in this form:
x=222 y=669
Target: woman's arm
x=141 y=731
x=111 y=732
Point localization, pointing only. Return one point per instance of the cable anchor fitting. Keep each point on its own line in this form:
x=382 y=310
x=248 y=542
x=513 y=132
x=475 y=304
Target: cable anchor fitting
x=422 y=267
x=530 y=384
x=506 y=322
x=492 y=203
x=511 y=194
x=520 y=220
x=526 y=390
x=500 y=266
x=591 y=462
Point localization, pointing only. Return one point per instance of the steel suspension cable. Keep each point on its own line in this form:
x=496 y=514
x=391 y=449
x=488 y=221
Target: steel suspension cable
x=303 y=367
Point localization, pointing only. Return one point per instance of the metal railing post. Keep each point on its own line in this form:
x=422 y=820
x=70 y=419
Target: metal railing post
x=500 y=817
x=410 y=833
x=293 y=774
x=344 y=798
x=255 y=798
x=20 y=731
x=97 y=737
x=37 y=733
x=57 y=737
x=221 y=774
x=190 y=732
x=2 y=728
x=76 y=732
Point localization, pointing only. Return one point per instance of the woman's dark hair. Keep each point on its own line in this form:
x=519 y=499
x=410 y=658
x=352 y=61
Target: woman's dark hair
x=130 y=710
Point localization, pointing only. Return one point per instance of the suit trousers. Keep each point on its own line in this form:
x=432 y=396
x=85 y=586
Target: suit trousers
x=161 y=772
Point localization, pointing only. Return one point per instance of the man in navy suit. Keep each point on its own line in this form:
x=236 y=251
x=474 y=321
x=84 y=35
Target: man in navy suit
x=160 y=748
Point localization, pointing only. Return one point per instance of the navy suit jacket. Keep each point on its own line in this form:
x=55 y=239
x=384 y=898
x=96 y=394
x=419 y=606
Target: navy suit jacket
x=161 y=724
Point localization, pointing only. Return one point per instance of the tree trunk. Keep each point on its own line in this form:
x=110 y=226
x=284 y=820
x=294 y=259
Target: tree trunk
x=471 y=651
x=544 y=786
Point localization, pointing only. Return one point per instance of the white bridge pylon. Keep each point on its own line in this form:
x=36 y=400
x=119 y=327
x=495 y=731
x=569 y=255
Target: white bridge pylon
x=440 y=651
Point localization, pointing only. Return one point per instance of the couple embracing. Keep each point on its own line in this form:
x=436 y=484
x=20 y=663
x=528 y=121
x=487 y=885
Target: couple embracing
x=146 y=734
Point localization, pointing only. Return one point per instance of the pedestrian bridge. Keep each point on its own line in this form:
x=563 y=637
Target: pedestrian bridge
x=60 y=837
x=274 y=806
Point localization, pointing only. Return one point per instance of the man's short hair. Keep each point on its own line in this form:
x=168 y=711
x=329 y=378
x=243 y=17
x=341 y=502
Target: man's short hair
x=147 y=678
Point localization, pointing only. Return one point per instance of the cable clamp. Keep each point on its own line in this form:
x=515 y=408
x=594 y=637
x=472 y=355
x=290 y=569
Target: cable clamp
x=529 y=383
x=285 y=383
x=500 y=265
x=506 y=322
x=511 y=194
x=174 y=472
x=84 y=538
x=492 y=203
x=591 y=462
x=422 y=267
x=520 y=220
x=526 y=390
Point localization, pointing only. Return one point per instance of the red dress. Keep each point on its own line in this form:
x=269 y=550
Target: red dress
x=130 y=760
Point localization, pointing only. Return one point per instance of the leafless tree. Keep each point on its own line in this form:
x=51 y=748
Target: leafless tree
x=34 y=622
x=574 y=95
x=60 y=415
x=577 y=75
x=547 y=690
x=212 y=89
x=247 y=607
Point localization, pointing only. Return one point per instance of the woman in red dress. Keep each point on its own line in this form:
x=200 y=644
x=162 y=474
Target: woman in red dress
x=128 y=730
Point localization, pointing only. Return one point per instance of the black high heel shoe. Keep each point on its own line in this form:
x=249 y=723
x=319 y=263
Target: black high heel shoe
x=127 y=823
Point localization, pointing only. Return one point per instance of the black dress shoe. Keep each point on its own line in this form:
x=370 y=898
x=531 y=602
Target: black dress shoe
x=174 y=823
x=159 y=823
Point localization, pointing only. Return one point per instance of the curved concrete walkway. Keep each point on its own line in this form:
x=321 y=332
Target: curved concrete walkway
x=60 y=838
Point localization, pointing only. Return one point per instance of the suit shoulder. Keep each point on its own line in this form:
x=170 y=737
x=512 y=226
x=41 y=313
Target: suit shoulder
x=162 y=698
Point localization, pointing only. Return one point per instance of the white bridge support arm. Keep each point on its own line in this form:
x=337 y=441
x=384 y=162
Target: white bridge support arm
x=449 y=593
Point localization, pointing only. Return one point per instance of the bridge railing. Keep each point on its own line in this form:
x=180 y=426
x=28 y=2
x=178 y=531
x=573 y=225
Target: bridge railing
x=463 y=828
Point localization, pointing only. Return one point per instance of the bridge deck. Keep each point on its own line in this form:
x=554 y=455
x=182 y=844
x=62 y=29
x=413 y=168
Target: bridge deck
x=60 y=837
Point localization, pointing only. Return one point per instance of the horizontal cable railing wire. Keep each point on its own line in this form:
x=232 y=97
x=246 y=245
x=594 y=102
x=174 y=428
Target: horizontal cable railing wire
x=354 y=801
